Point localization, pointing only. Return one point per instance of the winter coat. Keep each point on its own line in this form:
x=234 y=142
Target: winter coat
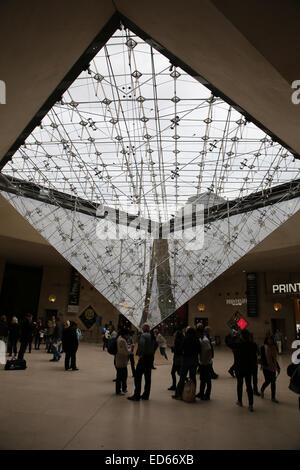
x=69 y=339
x=123 y=353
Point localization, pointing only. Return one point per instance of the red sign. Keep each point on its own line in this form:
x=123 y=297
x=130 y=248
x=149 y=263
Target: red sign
x=242 y=323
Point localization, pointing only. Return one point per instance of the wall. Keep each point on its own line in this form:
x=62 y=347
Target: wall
x=56 y=280
x=234 y=286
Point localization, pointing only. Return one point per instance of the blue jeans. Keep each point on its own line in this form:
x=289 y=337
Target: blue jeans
x=163 y=352
x=189 y=365
x=55 y=350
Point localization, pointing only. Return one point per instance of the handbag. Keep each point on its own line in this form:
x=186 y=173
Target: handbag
x=189 y=391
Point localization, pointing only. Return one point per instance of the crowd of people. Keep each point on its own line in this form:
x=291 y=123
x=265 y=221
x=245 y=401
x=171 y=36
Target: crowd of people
x=192 y=348
x=193 y=351
x=56 y=336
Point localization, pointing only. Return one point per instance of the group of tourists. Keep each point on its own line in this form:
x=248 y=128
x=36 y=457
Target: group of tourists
x=57 y=337
x=193 y=351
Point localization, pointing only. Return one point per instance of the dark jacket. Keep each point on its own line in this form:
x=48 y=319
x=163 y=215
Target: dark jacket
x=3 y=328
x=245 y=353
x=145 y=346
x=58 y=331
x=13 y=331
x=191 y=347
x=177 y=349
x=69 y=339
x=27 y=329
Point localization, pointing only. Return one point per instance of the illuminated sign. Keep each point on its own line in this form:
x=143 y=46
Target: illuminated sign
x=290 y=288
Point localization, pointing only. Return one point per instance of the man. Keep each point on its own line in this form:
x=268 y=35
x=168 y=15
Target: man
x=70 y=345
x=26 y=336
x=56 y=341
x=278 y=340
x=245 y=362
x=145 y=352
x=205 y=359
x=207 y=333
x=231 y=340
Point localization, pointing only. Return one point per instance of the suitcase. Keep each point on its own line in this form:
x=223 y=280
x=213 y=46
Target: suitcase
x=15 y=364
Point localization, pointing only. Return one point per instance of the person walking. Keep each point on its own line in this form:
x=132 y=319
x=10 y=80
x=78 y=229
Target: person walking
x=269 y=366
x=162 y=343
x=230 y=341
x=26 y=336
x=122 y=357
x=177 y=357
x=205 y=360
x=190 y=352
x=70 y=345
x=13 y=336
x=145 y=352
x=245 y=363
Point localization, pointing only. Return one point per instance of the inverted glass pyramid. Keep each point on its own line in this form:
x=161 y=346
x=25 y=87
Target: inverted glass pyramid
x=134 y=145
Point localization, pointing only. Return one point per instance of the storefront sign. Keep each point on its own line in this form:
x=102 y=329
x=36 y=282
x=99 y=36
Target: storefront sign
x=291 y=288
x=236 y=301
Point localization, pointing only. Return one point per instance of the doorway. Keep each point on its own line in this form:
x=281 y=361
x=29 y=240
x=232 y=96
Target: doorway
x=20 y=291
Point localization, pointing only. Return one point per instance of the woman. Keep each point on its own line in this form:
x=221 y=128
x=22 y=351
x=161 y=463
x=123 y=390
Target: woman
x=162 y=343
x=190 y=351
x=269 y=366
x=13 y=336
x=70 y=345
x=122 y=357
x=177 y=358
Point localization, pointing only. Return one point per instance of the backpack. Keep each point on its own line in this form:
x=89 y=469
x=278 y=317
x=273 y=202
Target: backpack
x=189 y=391
x=295 y=381
x=112 y=346
x=79 y=334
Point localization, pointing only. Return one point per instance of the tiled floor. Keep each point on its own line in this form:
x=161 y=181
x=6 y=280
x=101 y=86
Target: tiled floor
x=45 y=407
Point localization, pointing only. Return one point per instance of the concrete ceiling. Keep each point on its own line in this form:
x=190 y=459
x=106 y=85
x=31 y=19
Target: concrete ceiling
x=249 y=50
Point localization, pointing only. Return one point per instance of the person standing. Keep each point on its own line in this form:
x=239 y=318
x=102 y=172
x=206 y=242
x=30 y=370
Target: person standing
x=13 y=336
x=177 y=357
x=245 y=363
x=231 y=341
x=70 y=345
x=190 y=352
x=56 y=341
x=27 y=328
x=205 y=357
x=278 y=337
x=122 y=357
x=3 y=328
x=162 y=343
x=269 y=366
x=145 y=352
x=255 y=368
x=207 y=333
x=130 y=343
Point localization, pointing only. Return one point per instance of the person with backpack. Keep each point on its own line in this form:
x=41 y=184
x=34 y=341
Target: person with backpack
x=70 y=345
x=122 y=357
x=269 y=366
x=190 y=353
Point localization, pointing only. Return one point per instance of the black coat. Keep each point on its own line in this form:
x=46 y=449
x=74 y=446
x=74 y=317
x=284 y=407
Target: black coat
x=13 y=331
x=27 y=330
x=245 y=354
x=3 y=328
x=69 y=339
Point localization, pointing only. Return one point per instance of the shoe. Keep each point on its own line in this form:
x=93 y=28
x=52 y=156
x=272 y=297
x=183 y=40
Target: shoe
x=114 y=380
x=124 y=391
x=262 y=395
x=239 y=403
x=231 y=373
x=120 y=393
x=68 y=368
x=52 y=360
x=274 y=400
x=256 y=393
x=172 y=388
x=153 y=368
x=176 y=397
x=75 y=368
x=214 y=377
x=133 y=398
x=199 y=396
x=251 y=408
x=206 y=398
x=144 y=398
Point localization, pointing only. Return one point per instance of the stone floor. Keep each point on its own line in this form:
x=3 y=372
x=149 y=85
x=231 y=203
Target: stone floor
x=45 y=407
